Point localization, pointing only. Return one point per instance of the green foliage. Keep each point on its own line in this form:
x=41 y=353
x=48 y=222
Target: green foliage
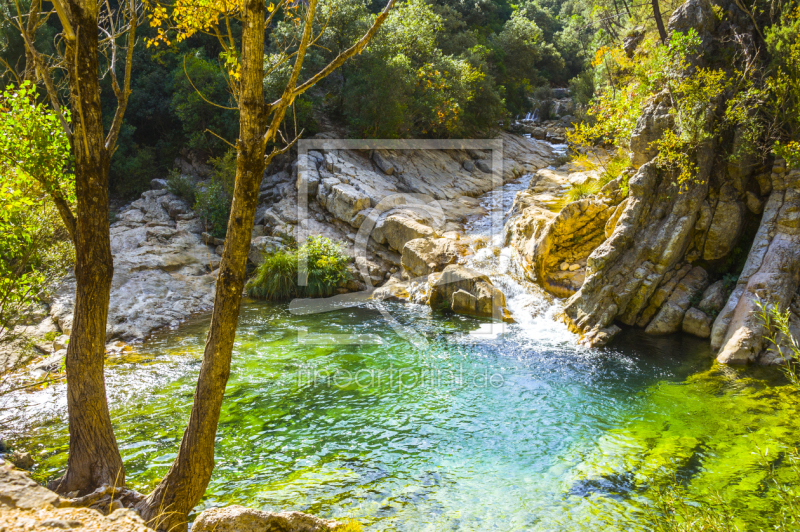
x=34 y=164
x=325 y=264
x=320 y=260
x=213 y=199
x=780 y=337
x=213 y=206
x=276 y=278
x=182 y=186
x=201 y=82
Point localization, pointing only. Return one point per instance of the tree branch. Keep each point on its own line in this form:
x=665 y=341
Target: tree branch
x=344 y=56
x=122 y=98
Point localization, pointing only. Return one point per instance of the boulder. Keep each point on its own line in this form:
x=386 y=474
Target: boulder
x=392 y=291
x=466 y=291
x=693 y=14
x=399 y=228
x=713 y=298
x=240 y=519
x=158 y=184
x=725 y=229
x=345 y=202
x=696 y=322
x=383 y=163
x=423 y=256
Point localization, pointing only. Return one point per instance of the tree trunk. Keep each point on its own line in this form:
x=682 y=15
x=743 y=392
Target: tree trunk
x=659 y=22
x=167 y=507
x=94 y=458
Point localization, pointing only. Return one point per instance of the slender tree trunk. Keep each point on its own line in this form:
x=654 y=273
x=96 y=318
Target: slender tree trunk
x=94 y=458
x=167 y=507
x=33 y=20
x=659 y=22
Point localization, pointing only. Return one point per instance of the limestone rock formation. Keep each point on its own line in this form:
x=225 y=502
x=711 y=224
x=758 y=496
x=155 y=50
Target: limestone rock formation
x=162 y=270
x=467 y=291
x=558 y=256
x=771 y=274
x=240 y=519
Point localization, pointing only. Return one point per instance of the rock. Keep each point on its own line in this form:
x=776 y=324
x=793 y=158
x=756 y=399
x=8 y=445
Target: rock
x=240 y=519
x=726 y=227
x=467 y=291
x=567 y=239
x=669 y=317
x=469 y=166
x=483 y=166
x=399 y=228
x=382 y=162
x=754 y=205
x=17 y=490
x=632 y=41
x=212 y=240
x=713 y=299
x=655 y=119
x=60 y=342
x=161 y=273
x=423 y=256
x=345 y=202
x=392 y=292
x=158 y=184
x=539 y=133
x=258 y=230
x=308 y=180
x=696 y=322
x=561 y=93
x=693 y=14
x=599 y=337
x=651 y=237
x=771 y=275
x=21 y=459
x=262 y=246
x=51 y=363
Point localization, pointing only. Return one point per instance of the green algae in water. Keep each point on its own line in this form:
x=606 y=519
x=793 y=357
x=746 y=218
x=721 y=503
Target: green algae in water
x=523 y=432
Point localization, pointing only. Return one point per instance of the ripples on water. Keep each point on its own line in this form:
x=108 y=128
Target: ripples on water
x=521 y=430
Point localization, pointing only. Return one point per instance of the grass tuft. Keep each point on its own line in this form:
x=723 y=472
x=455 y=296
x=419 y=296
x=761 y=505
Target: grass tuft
x=321 y=259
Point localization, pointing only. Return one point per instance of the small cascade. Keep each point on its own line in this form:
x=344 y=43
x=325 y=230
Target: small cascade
x=532 y=308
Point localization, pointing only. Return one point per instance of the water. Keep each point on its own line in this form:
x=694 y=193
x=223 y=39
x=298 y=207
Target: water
x=484 y=429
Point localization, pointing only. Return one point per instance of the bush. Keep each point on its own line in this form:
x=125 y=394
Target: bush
x=213 y=206
x=326 y=265
x=213 y=202
x=276 y=278
x=182 y=186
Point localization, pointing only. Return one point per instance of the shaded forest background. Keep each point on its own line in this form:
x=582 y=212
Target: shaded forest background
x=444 y=69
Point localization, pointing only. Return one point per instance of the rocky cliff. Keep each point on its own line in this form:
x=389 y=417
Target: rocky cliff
x=665 y=258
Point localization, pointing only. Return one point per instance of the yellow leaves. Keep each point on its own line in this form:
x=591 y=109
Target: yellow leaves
x=271 y=7
x=598 y=56
x=188 y=17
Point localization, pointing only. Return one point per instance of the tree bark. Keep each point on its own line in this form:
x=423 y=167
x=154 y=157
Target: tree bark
x=167 y=507
x=662 y=32
x=94 y=458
